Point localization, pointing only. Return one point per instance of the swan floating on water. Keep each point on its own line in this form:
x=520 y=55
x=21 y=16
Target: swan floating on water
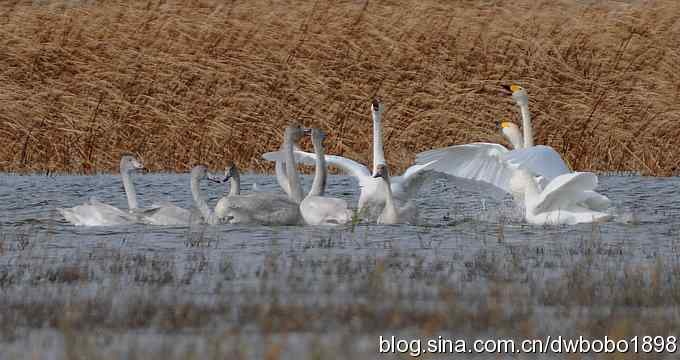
x=256 y=208
x=404 y=188
x=265 y=208
x=96 y=213
x=317 y=209
x=496 y=165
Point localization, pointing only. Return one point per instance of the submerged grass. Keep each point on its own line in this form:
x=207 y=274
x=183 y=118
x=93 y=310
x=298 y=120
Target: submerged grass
x=180 y=82
x=326 y=295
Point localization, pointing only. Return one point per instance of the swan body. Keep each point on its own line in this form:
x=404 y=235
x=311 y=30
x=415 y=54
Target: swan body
x=561 y=202
x=96 y=213
x=371 y=198
x=317 y=209
x=256 y=208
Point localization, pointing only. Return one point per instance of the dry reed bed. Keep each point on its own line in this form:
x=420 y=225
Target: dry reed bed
x=205 y=81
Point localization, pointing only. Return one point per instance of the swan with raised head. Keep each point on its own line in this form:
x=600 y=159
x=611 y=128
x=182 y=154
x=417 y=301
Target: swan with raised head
x=562 y=200
x=496 y=165
x=255 y=208
x=316 y=208
x=393 y=212
x=404 y=187
x=96 y=213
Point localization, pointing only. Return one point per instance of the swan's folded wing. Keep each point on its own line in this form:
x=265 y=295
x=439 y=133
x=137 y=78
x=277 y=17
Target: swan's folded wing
x=477 y=161
x=96 y=213
x=566 y=190
x=167 y=213
x=347 y=165
x=539 y=160
x=317 y=210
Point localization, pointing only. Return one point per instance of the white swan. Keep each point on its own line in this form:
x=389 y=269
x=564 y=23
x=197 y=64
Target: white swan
x=561 y=202
x=96 y=213
x=256 y=208
x=393 y=213
x=496 y=165
x=404 y=187
x=317 y=209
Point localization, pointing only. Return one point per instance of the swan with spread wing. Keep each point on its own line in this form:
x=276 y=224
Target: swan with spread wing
x=505 y=169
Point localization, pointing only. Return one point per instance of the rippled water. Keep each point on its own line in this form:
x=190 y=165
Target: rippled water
x=647 y=210
x=461 y=234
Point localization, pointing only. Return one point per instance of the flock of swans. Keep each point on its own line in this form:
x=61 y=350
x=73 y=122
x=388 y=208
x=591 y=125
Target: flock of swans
x=538 y=179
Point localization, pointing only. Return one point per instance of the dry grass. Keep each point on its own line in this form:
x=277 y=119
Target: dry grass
x=185 y=81
x=309 y=298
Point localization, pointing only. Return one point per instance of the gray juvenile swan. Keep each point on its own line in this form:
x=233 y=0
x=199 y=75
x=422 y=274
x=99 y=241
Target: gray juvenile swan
x=265 y=208
x=255 y=208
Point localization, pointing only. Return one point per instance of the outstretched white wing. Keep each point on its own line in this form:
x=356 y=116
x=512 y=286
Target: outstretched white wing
x=493 y=163
x=477 y=161
x=411 y=180
x=566 y=190
x=539 y=160
x=347 y=165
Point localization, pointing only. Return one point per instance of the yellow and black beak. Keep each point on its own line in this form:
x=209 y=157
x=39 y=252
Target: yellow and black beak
x=502 y=124
x=512 y=88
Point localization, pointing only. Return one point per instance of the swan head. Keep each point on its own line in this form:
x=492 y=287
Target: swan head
x=294 y=132
x=382 y=172
x=230 y=171
x=199 y=172
x=129 y=162
x=519 y=94
x=377 y=107
x=511 y=132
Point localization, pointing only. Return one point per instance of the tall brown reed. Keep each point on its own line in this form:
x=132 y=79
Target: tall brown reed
x=181 y=82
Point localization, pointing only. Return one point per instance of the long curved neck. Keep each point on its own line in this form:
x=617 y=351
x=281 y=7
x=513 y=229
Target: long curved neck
x=378 y=154
x=129 y=187
x=514 y=137
x=199 y=200
x=526 y=125
x=282 y=175
x=390 y=207
x=235 y=183
x=320 y=174
x=531 y=192
x=291 y=171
